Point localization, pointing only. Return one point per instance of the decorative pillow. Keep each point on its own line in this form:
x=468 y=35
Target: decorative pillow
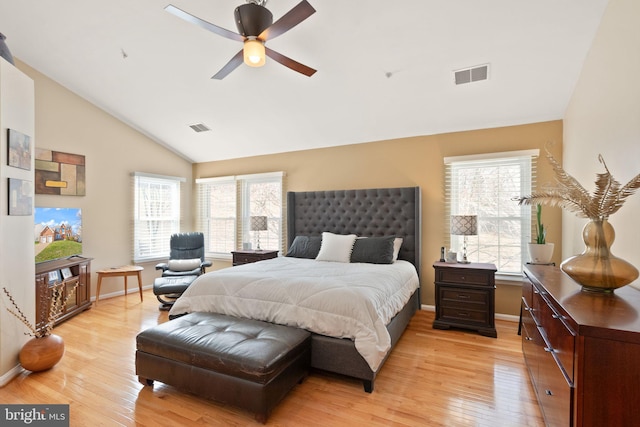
x=184 y=264
x=397 y=244
x=305 y=247
x=336 y=247
x=373 y=250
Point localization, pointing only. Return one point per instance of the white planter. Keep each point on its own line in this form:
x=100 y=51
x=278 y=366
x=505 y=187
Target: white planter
x=540 y=254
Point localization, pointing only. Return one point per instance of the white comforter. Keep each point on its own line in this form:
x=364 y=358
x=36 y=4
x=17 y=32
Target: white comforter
x=342 y=300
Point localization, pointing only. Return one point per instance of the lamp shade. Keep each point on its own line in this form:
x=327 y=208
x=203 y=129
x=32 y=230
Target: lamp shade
x=464 y=225
x=258 y=223
x=254 y=53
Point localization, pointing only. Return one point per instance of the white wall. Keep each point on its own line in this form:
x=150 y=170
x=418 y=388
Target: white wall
x=603 y=117
x=17 y=271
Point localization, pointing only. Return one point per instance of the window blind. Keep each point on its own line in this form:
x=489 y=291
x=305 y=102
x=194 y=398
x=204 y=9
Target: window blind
x=225 y=208
x=156 y=214
x=485 y=186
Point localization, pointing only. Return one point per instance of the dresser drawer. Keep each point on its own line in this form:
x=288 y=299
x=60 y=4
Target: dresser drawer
x=469 y=277
x=559 y=336
x=555 y=394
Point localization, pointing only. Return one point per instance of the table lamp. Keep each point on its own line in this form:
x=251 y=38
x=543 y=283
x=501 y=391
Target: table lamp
x=258 y=224
x=464 y=225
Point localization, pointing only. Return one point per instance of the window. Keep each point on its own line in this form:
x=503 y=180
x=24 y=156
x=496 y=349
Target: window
x=225 y=208
x=156 y=215
x=485 y=186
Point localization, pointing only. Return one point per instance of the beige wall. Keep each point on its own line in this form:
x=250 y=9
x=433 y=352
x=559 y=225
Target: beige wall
x=603 y=117
x=17 y=270
x=113 y=150
x=407 y=162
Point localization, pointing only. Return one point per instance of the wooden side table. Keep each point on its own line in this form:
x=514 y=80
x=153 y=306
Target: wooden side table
x=249 y=256
x=126 y=271
x=465 y=297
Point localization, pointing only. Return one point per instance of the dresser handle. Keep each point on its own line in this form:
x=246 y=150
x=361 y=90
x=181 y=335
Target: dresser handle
x=557 y=316
x=463 y=314
x=528 y=338
x=548 y=392
x=462 y=278
x=549 y=350
x=527 y=309
x=463 y=296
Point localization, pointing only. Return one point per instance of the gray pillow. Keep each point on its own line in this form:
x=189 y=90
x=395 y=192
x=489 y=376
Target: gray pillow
x=305 y=247
x=373 y=250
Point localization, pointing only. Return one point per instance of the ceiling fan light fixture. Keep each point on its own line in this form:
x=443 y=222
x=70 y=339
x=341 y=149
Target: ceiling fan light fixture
x=254 y=53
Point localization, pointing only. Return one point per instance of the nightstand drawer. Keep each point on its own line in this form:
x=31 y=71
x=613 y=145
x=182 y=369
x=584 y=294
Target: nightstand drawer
x=249 y=256
x=451 y=295
x=465 y=277
x=463 y=315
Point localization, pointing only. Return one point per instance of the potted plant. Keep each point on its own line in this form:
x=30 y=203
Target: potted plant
x=44 y=349
x=540 y=252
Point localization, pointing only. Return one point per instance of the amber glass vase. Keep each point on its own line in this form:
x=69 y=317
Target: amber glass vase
x=596 y=269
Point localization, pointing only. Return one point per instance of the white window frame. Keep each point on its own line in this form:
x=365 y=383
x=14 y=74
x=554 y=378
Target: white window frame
x=156 y=246
x=242 y=235
x=460 y=199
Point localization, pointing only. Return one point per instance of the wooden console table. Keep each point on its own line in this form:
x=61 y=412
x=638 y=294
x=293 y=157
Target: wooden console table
x=67 y=271
x=126 y=271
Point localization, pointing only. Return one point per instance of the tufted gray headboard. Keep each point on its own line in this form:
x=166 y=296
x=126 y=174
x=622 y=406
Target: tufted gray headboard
x=369 y=212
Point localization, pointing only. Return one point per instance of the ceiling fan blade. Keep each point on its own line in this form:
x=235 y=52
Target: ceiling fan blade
x=290 y=63
x=202 y=23
x=230 y=66
x=299 y=13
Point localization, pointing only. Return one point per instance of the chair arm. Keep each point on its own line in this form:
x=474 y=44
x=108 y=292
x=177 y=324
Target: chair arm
x=162 y=266
x=206 y=263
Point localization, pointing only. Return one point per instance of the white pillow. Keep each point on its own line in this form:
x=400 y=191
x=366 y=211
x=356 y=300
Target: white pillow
x=336 y=247
x=184 y=264
x=397 y=243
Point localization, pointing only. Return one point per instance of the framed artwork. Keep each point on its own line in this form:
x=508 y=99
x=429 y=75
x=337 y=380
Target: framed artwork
x=19 y=150
x=66 y=273
x=54 y=276
x=20 y=197
x=59 y=173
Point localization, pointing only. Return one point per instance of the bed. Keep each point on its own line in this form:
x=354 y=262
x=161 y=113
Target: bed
x=359 y=352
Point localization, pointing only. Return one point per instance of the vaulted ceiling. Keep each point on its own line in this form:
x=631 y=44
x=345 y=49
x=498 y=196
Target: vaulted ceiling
x=385 y=68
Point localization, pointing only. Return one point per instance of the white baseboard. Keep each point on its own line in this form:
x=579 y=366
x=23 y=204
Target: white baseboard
x=500 y=316
x=130 y=290
x=11 y=374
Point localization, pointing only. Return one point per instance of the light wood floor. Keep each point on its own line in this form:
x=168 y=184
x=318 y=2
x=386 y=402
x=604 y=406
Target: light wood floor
x=433 y=378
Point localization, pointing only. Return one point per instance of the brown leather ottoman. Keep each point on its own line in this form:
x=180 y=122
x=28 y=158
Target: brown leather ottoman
x=242 y=362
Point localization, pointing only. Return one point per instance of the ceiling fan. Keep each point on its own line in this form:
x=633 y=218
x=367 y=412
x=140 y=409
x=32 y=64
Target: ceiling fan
x=255 y=26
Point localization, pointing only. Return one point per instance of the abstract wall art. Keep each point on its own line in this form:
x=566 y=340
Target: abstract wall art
x=59 y=173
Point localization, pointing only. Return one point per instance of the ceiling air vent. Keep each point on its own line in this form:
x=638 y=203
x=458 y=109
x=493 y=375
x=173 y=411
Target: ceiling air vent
x=199 y=127
x=473 y=74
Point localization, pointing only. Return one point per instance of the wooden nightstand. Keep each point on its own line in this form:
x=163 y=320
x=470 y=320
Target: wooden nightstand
x=465 y=297
x=249 y=256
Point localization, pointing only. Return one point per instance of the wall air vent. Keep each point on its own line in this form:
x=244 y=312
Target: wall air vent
x=199 y=127
x=469 y=75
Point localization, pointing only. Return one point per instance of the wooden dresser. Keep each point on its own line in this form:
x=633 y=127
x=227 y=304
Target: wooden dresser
x=582 y=350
